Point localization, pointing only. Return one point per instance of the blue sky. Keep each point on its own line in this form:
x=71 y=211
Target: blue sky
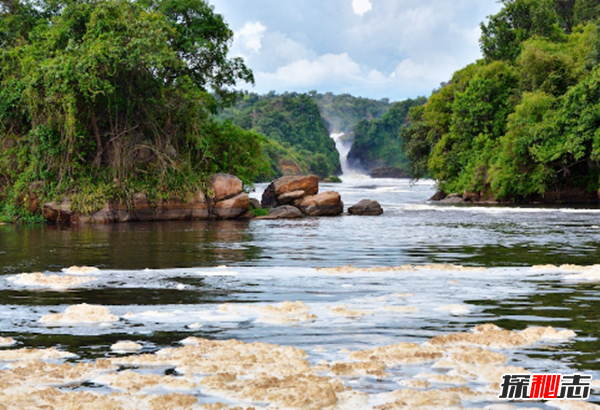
x=393 y=49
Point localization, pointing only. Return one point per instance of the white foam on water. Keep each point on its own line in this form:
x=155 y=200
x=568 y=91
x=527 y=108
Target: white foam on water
x=81 y=270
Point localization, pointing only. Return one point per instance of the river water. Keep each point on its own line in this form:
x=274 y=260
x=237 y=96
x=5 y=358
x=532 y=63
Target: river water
x=440 y=270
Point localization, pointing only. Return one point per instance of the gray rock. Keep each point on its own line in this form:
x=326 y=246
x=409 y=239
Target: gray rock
x=285 y=212
x=366 y=207
x=438 y=196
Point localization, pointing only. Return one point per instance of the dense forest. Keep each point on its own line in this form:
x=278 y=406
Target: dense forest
x=523 y=122
x=102 y=99
x=343 y=111
x=297 y=138
x=377 y=142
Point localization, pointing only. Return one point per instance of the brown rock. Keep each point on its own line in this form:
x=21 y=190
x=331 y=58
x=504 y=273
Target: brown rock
x=326 y=204
x=307 y=183
x=254 y=203
x=438 y=196
x=58 y=212
x=285 y=212
x=232 y=208
x=470 y=196
x=177 y=210
x=366 y=207
x=225 y=186
x=285 y=199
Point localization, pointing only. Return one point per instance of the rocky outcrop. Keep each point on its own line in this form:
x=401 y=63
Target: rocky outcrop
x=326 y=204
x=300 y=193
x=285 y=185
x=366 y=207
x=227 y=202
x=231 y=208
x=388 y=172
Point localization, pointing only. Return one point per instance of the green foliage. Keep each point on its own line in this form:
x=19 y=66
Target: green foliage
x=526 y=120
x=518 y=21
x=299 y=140
x=343 y=111
x=377 y=142
x=259 y=212
x=102 y=98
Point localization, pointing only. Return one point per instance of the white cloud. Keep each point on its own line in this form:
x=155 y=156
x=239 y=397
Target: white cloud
x=398 y=49
x=328 y=68
x=250 y=36
x=360 y=7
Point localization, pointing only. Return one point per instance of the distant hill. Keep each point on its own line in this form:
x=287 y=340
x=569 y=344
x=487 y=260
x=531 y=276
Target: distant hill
x=343 y=111
x=297 y=138
x=377 y=142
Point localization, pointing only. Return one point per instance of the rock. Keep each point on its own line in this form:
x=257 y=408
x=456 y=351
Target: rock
x=285 y=211
x=285 y=199
x=175 y=209
x=326 y=204
x=452 y=199
x=58 y=212
x=366 y=207
x=232 y=208
x=470 y=196
x=388 y=172
x=307 y=183
x=225 y=186
x=254 y=203
x=438 y=196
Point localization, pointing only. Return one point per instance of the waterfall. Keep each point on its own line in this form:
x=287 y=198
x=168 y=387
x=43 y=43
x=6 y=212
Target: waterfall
x=343 y=148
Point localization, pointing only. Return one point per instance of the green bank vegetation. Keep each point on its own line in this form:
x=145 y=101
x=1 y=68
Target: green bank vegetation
x=103 y=98
x=377 y=142
x=525 y=120
x=297 y=135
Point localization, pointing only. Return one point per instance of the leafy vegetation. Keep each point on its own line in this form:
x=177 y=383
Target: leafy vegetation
x=525 y=120
x=377 y=142
x=343 y=111
x=297 y=137
x=100 y=99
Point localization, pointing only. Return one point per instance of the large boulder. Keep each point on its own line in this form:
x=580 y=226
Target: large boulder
x=58 y=211
x=326 y=204
x=225 y=186
x=290 y=197
x=232 y=208
x=366 y=207
x=285 y=185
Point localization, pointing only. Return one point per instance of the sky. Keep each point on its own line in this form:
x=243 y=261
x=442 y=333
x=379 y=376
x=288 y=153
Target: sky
x=393 y=49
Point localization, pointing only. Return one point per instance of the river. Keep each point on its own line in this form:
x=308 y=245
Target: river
x=362 y=305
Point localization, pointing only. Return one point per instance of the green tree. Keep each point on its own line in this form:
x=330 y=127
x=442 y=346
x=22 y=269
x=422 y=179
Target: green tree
x=118 y=93
x=518 y=21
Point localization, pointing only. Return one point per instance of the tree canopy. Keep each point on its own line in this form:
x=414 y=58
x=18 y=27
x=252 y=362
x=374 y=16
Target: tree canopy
x=523 y=121
x=118 y=93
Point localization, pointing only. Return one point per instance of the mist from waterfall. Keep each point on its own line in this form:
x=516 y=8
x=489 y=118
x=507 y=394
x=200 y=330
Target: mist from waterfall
x=343 y=148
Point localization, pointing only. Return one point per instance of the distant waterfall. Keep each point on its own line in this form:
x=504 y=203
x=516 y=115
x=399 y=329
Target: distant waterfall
x=343 y=148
